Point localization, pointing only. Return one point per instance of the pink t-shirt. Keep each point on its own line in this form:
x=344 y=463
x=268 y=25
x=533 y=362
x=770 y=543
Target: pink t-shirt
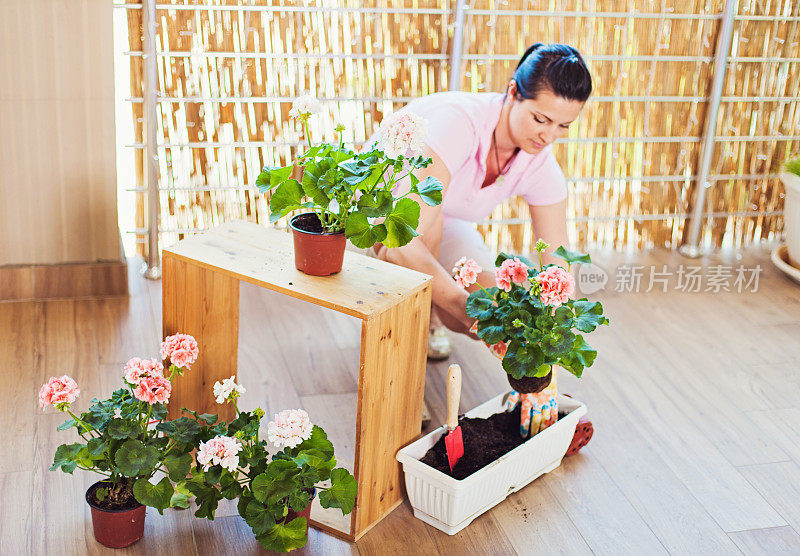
x=460 y=129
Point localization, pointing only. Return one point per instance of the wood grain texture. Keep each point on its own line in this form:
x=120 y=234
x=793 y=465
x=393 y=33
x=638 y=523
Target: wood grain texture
x=775 y=541
x=390 y=392
x=205 y=304
x=780 y=484
x=263 y=256
x=16 y=283
x=58 y=165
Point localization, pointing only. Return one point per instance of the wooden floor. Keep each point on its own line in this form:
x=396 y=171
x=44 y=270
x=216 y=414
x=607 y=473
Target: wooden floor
x=695 y=399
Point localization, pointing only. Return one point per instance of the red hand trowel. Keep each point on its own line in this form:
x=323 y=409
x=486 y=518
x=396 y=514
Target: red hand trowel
x=453 y=442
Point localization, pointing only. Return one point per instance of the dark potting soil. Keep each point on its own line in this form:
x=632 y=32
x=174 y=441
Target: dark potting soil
x=308 y=223
x=129 y=503
x=485 y=440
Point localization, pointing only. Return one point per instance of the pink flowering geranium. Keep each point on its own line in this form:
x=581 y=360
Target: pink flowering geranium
x=402 y=132
x=135 y=369
x=557 y=286
x=511 y=271
x=153 y=389
x=180 y=349
x=59 y=392
x=220 y=450
x=290 y=428
x=466 y=271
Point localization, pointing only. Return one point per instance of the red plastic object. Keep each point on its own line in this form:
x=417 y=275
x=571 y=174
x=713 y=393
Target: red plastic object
x=454 y=443
x=583 y=434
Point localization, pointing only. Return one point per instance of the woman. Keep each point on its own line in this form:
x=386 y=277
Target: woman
x=487 y=147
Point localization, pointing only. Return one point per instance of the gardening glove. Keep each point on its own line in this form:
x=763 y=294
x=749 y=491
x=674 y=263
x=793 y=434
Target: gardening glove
x=538 y=411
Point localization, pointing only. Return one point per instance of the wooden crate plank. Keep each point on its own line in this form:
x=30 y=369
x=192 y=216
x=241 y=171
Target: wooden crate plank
x=265 y=257
x=390 y=391
x=205 y=304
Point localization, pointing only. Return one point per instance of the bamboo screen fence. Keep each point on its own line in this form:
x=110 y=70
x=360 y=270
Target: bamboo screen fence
x=228 y=72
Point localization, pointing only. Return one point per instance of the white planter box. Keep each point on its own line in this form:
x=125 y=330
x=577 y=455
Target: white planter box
x=791 y=216
x=449 y=504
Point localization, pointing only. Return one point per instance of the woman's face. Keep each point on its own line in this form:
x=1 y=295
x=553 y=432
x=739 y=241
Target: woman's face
x=534 y=124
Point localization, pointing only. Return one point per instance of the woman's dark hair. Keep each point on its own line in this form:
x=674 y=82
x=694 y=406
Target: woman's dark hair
x=555 y=67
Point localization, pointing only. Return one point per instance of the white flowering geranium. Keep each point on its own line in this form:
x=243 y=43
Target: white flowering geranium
x=233 y=462
x=228 y=390
x=357 y=193
x=402 y=133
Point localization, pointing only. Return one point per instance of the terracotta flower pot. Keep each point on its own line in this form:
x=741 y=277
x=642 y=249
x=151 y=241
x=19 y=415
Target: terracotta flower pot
x=116 y=528
x=315 y=252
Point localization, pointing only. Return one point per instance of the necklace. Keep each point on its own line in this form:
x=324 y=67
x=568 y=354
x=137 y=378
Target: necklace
x=500 y=171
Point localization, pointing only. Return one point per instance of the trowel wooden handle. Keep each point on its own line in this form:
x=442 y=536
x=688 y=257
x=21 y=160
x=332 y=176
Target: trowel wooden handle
x=453 y=395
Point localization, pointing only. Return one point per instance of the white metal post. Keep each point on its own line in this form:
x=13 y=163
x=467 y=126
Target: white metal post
x=692 y=247
x=152 y=267
x=458 y=47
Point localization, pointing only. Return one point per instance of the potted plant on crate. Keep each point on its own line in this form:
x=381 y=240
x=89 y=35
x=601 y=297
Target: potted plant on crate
x=119 y=442
x=348 y=195
x=275 y=491
x=529 y=321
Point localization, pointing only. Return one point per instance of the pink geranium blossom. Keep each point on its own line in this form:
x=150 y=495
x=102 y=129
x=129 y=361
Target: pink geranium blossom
x=180 y=349
x=153 y=389
x=59 y=392
x=220 y=450
x=290 y=428
x=466 y=272
x=511 y=271
x=557 y=286
x=137 y=368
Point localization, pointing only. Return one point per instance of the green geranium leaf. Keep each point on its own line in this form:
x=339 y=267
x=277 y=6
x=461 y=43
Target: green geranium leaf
x=522 y=360
x=480 y=305
x=319 y=187
x=287 y=197
x=180 y=498
x=299 y=500
x=183 y=429
x=258 y=517
x=285 y=537
x=361 y=233
x=375 y=204
x=277 y=482
x=178 y=466
x=571 y=256
x=430 y=191
x=342 y=493
x=134 y=458
x=272 y=177
x=557 y=341
x=505 y=256
x=563 y=315
x=401 y=224
x=68 y=424
x=317 y=459
x=317 y=441
x=582 y=353
x=121 y=428
x=157 y=496
x=158 y=411
x=588 y=315
x=229 y=486
x=96 y=448
x=65 y=457
x=491 y=331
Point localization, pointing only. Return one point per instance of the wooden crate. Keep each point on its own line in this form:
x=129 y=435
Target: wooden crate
x=200 y=297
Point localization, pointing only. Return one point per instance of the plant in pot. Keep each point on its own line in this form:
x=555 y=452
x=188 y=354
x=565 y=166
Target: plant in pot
x=791 y=210
x=529 y=321
x=119 y=441
x=348 y=195
x=275 y=491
